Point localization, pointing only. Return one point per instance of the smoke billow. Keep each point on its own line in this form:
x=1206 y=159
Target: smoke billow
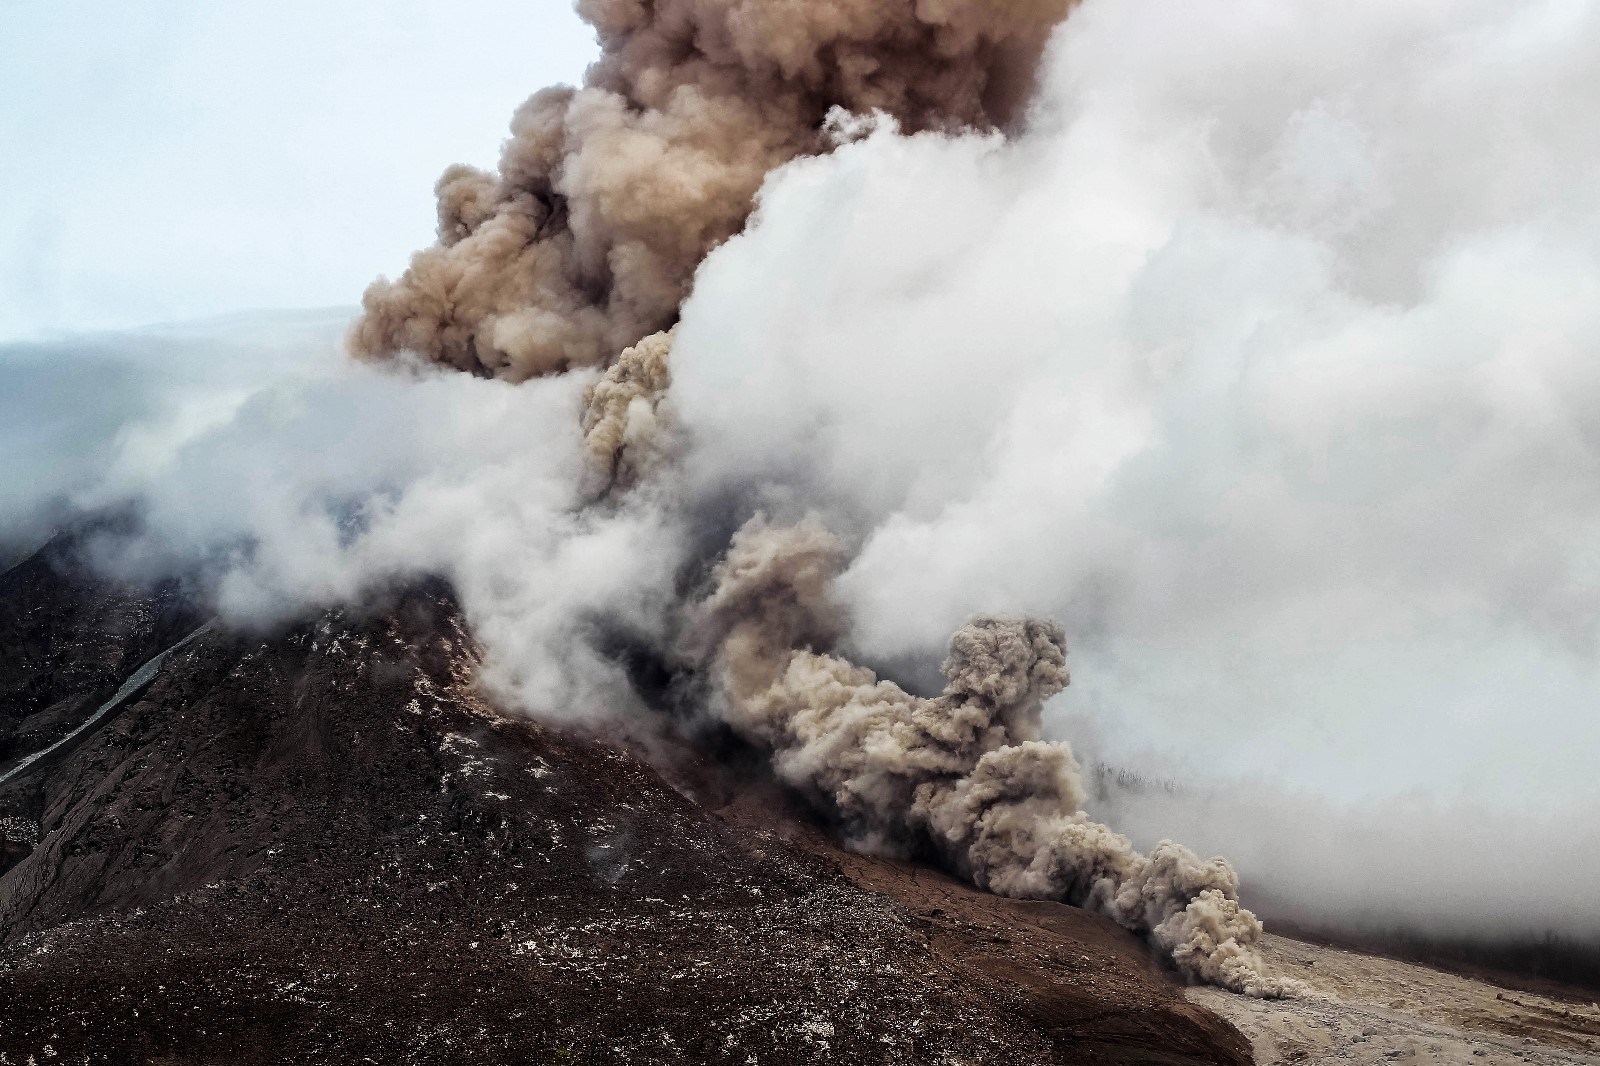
x=1262 y=359
x=966 y=771
x=608 y=196
x=623 y=434
x=1260 y=355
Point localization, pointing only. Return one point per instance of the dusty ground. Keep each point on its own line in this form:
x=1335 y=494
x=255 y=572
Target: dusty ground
x=1367 y=1009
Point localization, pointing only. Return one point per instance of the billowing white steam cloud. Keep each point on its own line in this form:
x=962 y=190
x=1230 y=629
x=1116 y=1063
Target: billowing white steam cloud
x=1265 y=360
x=291 y=478
x=1262 y=355
x=965 y=771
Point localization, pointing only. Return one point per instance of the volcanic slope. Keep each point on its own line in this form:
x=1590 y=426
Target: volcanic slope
x=326 y=846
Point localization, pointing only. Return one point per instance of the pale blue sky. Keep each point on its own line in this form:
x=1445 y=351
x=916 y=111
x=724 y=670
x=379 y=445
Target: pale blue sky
x=170 y=159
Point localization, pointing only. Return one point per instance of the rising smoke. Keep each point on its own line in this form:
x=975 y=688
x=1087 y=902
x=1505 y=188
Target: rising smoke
x=609 y=196
x=1260 y=354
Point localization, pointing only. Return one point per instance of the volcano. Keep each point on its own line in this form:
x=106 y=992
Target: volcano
x=324 y=843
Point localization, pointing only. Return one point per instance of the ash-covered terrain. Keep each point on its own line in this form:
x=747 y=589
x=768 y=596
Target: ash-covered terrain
x=323 y=845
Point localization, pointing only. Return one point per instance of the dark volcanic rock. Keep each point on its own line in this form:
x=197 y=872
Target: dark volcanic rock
x=68 y=638
x=327 y=847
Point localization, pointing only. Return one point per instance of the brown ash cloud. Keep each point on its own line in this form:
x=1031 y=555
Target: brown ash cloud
x=966 y=772
x=608 y=196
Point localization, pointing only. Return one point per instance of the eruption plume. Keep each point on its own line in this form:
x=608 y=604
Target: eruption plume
x=608 y=196
x=965 y=772
x=581 y=251
x=1282 y=317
